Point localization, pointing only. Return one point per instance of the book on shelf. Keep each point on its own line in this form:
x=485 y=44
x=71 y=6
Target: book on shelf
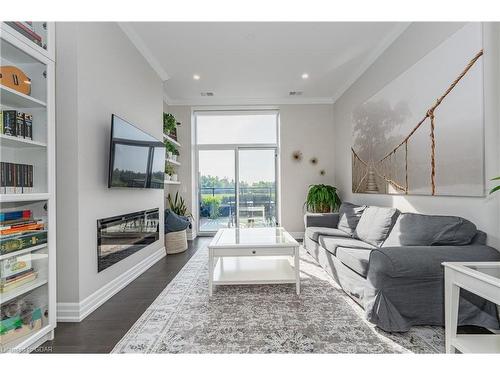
x=16 y=178
x=15 y=215
x=17 y=124
x=22 y=228
x=14 y=266
x=21 y=241
x=19 y=230
x=16 y=283
x=24 y=29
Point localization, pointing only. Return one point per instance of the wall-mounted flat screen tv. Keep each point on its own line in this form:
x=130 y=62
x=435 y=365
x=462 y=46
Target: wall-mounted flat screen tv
x=136 y=159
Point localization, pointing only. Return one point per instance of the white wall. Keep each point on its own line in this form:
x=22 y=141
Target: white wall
x=99 y=72
x=413 y=44
x=305 y=127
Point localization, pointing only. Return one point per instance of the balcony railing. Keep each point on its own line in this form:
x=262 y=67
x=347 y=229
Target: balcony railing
x=257 y=206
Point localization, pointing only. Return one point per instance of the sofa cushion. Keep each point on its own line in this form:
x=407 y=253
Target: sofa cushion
x=429 y=230
x=356 y=259
x=332 y=243
x=349 y=215
x=314 y=232
x=375 y=224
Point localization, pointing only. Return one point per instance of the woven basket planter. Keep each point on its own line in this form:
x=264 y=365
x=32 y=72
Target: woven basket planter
x=176 y=242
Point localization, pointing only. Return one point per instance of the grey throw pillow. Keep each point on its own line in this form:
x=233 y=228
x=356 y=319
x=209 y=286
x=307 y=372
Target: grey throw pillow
x=349 y=215
x=375 y=224
x=429 y=230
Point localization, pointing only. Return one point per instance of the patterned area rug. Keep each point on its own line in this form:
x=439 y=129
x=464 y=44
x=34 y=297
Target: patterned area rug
x=264 y=319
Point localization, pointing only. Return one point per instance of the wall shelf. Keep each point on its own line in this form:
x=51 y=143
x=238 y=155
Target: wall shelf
x=23 y=251
x=174 y=162
x=170 y=182
x=10 y=141
x=6 y=297
x=29 y=197
x=12 y=98
x=170 y=139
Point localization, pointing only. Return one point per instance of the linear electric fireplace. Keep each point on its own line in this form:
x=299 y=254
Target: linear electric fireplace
x=121 y=236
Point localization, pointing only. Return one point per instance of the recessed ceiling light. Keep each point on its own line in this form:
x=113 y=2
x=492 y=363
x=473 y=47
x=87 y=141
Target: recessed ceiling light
x=196 y=77
x=305 y=76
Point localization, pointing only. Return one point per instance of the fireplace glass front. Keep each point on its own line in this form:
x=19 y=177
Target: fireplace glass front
x=121 y=236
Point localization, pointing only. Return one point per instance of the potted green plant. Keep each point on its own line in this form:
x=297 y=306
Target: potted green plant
x=178 y=205
x=169 y=171
x=175 y=154
x=176 y=242
x=496 y=188
x=169 y=125
x=170 y=150
x=322 y=198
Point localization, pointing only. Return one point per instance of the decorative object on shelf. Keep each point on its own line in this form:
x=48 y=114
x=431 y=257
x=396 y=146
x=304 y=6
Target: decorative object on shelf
x=170 y=125
x=15 y=78
x=322 y=198
x=171 y=150
x=297 y=156
x=496 y=188
x=26 y=29
x=174 y=177
x=175 y=154
x=322 y=172
x=169 y=171
x=314 y=160
x=396 y=149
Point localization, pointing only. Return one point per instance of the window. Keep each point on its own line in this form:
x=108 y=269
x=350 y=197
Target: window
x=236 y=128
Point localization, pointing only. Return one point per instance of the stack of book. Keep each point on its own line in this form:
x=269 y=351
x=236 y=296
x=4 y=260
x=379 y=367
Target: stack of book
x=16 y=124
x=19 y=230
x=16 y=178
x=19 y=278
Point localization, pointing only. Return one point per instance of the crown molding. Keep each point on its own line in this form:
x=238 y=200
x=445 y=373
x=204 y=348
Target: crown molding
x=214 y=101
x=372 y=57
x=143 y=50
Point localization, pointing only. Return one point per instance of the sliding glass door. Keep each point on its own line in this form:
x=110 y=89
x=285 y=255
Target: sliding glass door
x=256 y=188
x=237 y=158
x=217 y=190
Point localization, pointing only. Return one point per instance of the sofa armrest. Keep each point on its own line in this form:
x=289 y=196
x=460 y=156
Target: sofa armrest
x=328 y=220
x=424 y=261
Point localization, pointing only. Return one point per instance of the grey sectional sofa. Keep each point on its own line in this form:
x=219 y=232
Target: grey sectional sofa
x=390 y=263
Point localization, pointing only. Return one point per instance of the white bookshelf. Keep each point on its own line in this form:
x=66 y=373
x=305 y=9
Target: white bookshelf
x=39 y=64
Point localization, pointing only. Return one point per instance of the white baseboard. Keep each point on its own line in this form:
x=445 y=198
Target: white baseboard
x=297 y=235
x=77 y=311
x=191 y=234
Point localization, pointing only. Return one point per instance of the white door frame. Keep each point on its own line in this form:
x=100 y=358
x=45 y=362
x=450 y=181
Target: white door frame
x=235 y=148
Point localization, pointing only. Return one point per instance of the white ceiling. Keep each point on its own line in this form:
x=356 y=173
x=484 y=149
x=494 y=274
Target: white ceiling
x=260 y=63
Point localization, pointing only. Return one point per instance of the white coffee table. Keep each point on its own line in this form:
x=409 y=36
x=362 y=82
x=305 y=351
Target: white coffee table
x=253 y=256
x=482 y=279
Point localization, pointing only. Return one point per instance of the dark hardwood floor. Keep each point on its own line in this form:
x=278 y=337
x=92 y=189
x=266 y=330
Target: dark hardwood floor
x=101 y=330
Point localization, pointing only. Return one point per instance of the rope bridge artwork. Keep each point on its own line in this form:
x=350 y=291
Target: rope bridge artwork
x=392 y=170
